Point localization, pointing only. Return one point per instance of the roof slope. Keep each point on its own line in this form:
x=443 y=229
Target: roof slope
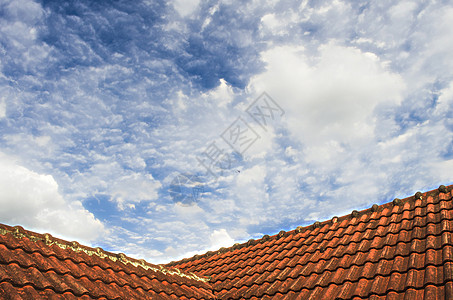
x=36 y=266
x=401 y=249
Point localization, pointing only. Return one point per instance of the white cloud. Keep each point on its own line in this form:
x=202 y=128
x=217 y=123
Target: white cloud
x=2 y=107
x=445 y=101
x=19 y=30
x=221 y=95
x=413 y=35
x=185 y=7
x=251 y=199
x=220 y=238
x=278 y=24
x=32 y=200
x=125 y=186
x=27 y=11
x=135 y=188
x=330 y=99
x=434 y=43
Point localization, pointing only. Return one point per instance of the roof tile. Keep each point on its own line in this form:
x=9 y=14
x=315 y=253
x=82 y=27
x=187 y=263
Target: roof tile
x=399 y=250
x=36 y=266
x=395 y=250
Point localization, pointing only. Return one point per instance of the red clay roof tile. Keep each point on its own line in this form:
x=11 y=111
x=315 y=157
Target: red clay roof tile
x=400 y=249
x=39 y=266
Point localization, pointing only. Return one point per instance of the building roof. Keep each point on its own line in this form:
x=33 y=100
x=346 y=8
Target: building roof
x=401 y=249
x=37 y=266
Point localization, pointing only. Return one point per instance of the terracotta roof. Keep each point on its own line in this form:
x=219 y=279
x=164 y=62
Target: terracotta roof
x=36 y=266
x=402 y=249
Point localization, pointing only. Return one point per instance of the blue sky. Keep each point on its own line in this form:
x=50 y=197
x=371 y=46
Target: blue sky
x=104 y=103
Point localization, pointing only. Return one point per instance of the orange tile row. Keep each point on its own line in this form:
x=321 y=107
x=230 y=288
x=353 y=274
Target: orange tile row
x=141 y=278
x=28 y=292
x=346 y=268
x=397 y=251
x=27 y=265
x=371 y=225
x=60 y=284
x=430 y=292
x=400 y=250
x=410 y=236
x=362 y=288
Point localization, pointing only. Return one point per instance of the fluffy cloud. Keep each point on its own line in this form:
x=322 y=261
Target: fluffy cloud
x=19 y=30
x=220 y=238
x=32 y=200
x=185 y=8
x=330 y=99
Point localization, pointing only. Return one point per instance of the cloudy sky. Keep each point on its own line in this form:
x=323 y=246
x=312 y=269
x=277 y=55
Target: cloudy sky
x=105 y=105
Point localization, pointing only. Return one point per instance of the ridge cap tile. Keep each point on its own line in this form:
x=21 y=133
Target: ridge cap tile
x=59 y=244
x=37 y=262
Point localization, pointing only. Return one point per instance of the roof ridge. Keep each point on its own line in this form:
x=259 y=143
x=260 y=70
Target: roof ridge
x=350 y=233
x=323 y=249
x=317 y=224
x=19 y=232
x=170 y=280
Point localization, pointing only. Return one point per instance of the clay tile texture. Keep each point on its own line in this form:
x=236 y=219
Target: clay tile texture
x=36 y=266
x=400 y=250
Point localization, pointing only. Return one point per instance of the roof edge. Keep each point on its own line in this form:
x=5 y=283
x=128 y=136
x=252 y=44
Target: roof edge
x=19 y=232
x=354 y=214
